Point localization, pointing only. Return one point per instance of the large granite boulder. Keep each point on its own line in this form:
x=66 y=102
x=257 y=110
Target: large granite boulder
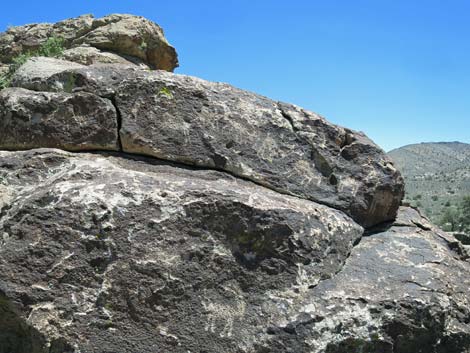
x=214 y=125
x=116 y=253
x=133 y=38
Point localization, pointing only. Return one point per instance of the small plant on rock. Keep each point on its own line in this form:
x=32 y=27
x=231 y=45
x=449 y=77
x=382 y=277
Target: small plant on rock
x=143 y=46
x=165 y=92
x=69 y=83
x=53 y=48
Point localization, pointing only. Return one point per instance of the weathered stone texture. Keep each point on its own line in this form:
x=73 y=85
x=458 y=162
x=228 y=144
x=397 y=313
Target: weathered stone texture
x=121 y=35
x=142 y=211
x=117 y=249
x=76 y=122
x=113 y=253
x=214 y=125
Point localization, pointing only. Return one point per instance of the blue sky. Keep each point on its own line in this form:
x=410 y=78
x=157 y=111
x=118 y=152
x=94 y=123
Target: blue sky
x=398 y=70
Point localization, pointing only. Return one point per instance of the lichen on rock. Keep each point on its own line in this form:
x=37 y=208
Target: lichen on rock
x=143 y=211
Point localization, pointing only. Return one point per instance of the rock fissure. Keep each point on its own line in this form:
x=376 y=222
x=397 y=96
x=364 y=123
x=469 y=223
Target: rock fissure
x=286 y=116
x=185 y=119
x=180 y=164
x=118 y=122
x=179 y=215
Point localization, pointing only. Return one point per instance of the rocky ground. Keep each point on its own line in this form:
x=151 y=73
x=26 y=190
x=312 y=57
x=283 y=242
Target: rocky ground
x=143 y=211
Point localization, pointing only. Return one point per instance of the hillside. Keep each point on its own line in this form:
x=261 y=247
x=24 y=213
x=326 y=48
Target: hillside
x=437 y=175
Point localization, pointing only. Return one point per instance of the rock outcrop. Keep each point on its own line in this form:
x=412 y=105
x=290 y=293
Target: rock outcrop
x=132 y=254
x=143 y=211
x=80 y=121
x=114 y=38
x=213 y=125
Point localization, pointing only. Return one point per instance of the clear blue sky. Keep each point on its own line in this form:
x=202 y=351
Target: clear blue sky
x=398 y=70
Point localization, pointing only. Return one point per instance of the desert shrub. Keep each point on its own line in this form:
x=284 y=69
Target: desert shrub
x=53 y=47
x=465 y=213
x=4 y=81
x=457 y=218
x=450 y=219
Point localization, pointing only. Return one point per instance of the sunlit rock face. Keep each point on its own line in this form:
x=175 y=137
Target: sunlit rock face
x=143 y=211
x=213 y=125
x=115 y=38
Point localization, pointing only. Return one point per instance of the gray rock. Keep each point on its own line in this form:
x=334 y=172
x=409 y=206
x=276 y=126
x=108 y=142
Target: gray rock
x=88 y=55
x=134 y=36
x=76 y=122
x=401 y=290
x=36 y=71
x=114 y=253
x=277 y=145
x=222 y=222
x=136 y=256
x=4 y=69
x=124 y=35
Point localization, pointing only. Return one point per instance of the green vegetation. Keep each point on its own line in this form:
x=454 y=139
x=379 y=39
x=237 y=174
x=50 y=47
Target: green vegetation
x=53 y=47
x=100 y=236
x=457 y=218
x=143 y=46
x=4 y=81
x=69 y=83
x=166 y=92
x=437 y=178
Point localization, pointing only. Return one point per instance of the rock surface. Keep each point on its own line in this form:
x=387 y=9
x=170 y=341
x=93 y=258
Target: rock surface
x=79 y=121
x=88 y=55
x=121 y=35
x=401 y=290
x=154 y=212
x=188 y=120
x=114 y=253
x=36 y=71
x=124 y=248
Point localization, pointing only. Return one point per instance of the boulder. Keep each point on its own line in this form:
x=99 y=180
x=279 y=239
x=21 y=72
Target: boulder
x=138 y=256
x=143 y=211
x=88 y=55
x=214 y=125
x=278 y=145
x=117 y=253
x=403 y=289
x=36 y=71
x=131 y=37
x=134 y=36
x=76 y=122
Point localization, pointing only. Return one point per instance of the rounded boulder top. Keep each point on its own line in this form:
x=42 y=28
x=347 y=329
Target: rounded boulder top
x=111 y=39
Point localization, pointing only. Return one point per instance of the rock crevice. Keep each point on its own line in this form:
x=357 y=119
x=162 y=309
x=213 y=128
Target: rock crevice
x=212 y=125
x=145 y=211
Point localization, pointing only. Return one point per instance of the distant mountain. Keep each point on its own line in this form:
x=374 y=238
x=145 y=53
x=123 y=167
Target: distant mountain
x=437 y=175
